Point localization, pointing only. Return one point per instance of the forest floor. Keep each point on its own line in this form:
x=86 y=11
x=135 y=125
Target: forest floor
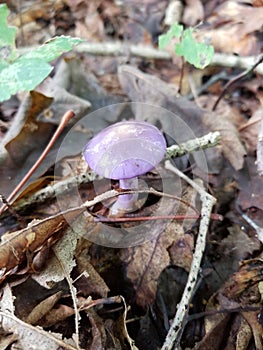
x=74 y=277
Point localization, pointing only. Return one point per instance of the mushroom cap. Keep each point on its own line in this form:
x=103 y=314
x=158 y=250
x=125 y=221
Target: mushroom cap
x=125 y=150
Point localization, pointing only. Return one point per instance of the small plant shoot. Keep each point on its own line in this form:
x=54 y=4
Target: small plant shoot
x=25 y=72
x=196 y=53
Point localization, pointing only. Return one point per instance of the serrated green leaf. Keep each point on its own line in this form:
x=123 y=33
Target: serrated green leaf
x=175 y=31
x=7 y=35
x=198 y=54
x=53 y=48
x=22 y=75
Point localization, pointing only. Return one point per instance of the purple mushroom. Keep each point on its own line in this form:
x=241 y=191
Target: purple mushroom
x=124 y=151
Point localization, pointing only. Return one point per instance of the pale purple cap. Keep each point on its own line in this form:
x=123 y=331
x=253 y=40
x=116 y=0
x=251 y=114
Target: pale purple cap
x=125 y=150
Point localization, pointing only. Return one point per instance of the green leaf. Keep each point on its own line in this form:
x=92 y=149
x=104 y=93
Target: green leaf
x=3 y=64
x=7 y=35
x=53 y=48
x=198 y=54
x=23 y=75
x=174 y=32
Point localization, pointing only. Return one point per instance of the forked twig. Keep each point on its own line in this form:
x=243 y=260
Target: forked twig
x=208 y=201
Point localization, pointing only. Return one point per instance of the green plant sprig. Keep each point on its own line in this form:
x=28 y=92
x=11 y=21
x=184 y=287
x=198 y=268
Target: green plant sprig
x=25 y=72
x=196 y=53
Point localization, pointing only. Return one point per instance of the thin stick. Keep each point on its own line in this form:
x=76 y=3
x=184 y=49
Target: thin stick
x=173 y=337
x=209 y=140
x=235 y=79
x=149 y=52
x=149 y=218
x=64 y=121
x=73 y=293
x=260 y=149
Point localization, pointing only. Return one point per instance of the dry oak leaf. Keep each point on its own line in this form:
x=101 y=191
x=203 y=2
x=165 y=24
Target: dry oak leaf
x=224 y=120
x=233 y=30
x=181 y=119
x=145 y=263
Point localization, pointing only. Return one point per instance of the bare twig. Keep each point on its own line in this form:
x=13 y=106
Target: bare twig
x=73 y=293
x=50 y=192
x=260 y=149
x=64 y=186
x=149 y=52
x=208 y=201
x=210 y=140
x=64 y=121
x=235 y=79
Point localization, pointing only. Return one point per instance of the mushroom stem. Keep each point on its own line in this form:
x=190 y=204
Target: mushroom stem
x=126 y=202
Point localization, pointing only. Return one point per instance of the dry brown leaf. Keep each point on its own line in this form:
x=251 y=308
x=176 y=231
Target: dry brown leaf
x=27 y=334
x=149 y=89
x=250 y=190
x=32 y=128
x=249 y=131
x=119 y=329
x=193 y=12
x=252 y=319
x=43 y=308
x=90 y=282
x=224 y=120
x=98 y=331
x=62 y=261
x=213 y=339
x=20 y=141
x=14 y=249
x=145 y=263
x=56 y=315
x=240 y=291
x=249 y=274
x=234 y=30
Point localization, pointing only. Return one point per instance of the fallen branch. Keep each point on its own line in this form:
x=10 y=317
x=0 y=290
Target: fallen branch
x=209 y=140
x=149 y=52
x=173 y=337
x=52 y=191
x=120 y=49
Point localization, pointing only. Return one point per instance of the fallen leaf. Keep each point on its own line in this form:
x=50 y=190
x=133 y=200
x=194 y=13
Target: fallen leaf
x=90 y=283
x=56 y=315
x=144 y=263
x=40 y=310
x=249 y=274
x=193 y=12
x=249 y=131
x=180 y=119
x=233 y=31
x=27 y=334
x=62 y=261
x=224 y=120
x=14 y=249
